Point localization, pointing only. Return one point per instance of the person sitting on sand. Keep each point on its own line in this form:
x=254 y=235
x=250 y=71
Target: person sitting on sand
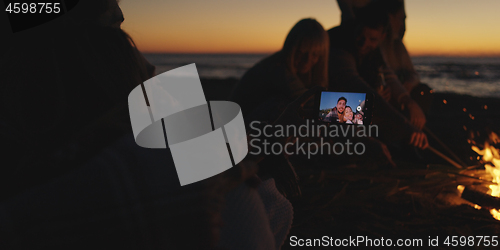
x=348 y=115
x=337 y=112
x=355 y=65
x=396 y=57
x=280 y=78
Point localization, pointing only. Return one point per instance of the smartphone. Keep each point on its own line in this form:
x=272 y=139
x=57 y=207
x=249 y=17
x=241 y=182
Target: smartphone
x=344 y=107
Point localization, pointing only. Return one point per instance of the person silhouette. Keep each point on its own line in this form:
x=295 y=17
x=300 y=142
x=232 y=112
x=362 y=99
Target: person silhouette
x=288 y=73
x=356 y=65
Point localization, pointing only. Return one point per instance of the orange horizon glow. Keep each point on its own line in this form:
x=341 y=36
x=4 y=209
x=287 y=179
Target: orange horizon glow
x=434 y=27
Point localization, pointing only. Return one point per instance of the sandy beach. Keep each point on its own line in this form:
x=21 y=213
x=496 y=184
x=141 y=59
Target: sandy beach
x=371 y=208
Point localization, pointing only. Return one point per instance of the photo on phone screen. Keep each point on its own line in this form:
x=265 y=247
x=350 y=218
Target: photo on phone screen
x=344 y=107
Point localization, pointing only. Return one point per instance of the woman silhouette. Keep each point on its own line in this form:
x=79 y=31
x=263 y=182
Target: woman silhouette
x=280 y=78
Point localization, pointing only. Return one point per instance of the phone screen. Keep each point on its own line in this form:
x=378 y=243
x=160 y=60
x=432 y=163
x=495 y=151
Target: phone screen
x=344 y=107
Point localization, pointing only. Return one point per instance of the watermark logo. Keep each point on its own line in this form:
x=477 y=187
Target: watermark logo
x=170 y=111
x=310 y=139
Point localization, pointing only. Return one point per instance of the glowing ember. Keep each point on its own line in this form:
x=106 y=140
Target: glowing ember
x=461 y=188
x=491 y=156
x=445 y=102
x=495 y=213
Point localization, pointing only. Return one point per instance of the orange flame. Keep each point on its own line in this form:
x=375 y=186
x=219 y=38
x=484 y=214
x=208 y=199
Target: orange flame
x=491 y=156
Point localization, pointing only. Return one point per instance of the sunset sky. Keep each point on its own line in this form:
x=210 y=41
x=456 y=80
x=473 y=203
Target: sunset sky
x=434 y=27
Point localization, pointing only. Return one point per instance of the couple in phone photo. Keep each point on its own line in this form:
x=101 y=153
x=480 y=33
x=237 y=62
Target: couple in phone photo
x=343 y=114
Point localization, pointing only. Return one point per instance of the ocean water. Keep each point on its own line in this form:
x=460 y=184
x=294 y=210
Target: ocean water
x=478 y=76
x=219 y=66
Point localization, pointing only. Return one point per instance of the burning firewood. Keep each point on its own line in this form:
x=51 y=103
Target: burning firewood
x=481 y=199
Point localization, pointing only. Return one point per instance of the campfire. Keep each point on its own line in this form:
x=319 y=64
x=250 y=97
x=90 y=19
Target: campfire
x=412 y=200
x=490 y=158
x=455 y=190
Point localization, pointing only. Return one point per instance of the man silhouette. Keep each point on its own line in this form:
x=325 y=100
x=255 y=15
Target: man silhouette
x=356 y=65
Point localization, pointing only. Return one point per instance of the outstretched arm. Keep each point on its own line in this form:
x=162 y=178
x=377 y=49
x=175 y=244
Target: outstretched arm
x=402 y=97
x=344 y=76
